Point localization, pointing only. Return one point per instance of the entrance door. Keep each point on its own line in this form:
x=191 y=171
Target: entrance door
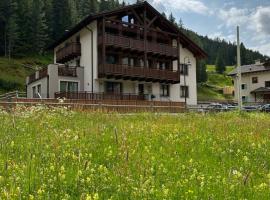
x=141 y=89
x=266 y=98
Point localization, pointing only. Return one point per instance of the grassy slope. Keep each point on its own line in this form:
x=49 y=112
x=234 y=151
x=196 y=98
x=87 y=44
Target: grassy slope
x=13 y=72
x=217 y=81
x=59 y=154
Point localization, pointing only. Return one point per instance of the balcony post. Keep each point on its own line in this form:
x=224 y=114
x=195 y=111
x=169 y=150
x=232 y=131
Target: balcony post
x=103 y=43
x=145 y=37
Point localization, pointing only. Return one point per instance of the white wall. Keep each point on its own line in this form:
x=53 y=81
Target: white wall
x=247 y=79
x=86 y=55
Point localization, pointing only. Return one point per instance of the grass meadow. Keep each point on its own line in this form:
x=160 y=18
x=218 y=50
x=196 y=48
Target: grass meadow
x=59 y=154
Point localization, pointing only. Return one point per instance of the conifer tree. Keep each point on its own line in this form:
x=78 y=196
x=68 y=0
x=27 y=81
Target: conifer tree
x=39 y=27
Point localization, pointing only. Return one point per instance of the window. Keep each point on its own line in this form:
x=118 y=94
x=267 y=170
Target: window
x=34 y=92
x=184 y=69
x=164 y=90
x=113 y=87
x=244 y=98
x=141 y=63
x=67 y=86
x=244 y=86
x=39 y=89
x=131 y=62
x=267 y=83
x=162 y=65
x=125 y=61
x=254 y=79
x=111 y=59
x=184 y=91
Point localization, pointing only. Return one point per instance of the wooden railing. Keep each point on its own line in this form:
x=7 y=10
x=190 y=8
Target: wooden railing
x=140 y=73
x=43 y=72
x=40 y=74
x=68 y=52
x=98 y=96
x=32 y=77
x=67 y=71
x=135 y=44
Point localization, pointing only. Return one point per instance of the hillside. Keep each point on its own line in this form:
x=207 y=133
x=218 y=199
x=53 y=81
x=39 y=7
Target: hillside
x=56 y=153
x=212 y=88
x=14 y=71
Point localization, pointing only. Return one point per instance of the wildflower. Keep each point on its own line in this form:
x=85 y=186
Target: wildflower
x=12 y=144
x=245 y=158
x=1 y=179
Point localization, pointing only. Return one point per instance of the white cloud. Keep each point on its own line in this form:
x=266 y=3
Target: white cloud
x=234 y=16
x=263 y=48
x=261 y=20
x=195 y=6
x=254 y=25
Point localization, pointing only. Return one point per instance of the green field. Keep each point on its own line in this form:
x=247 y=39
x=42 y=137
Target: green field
x=14 y=72
x=60 y=154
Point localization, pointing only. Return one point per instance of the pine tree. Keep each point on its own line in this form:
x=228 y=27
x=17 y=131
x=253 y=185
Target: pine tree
x=39 y=27
x=220 y=66
x=88 y=7
x=61 y=18
x=201 y=71
x=12 y=28
x=103 y=5
x=172 y=18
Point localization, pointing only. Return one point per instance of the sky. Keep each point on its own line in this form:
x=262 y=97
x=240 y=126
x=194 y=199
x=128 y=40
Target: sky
x=219 y=18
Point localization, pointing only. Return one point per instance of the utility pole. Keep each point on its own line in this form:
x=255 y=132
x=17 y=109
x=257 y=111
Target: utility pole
x=239 y=82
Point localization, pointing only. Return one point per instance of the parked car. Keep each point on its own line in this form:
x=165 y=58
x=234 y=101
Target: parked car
x=231 y=107
x=249 y=108
x=216 y=107
x=265 y=108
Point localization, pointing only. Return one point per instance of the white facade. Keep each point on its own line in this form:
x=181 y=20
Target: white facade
x=150 y=88
x=248 y=85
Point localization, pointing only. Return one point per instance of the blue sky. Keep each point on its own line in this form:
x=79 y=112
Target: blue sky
x=219 y=18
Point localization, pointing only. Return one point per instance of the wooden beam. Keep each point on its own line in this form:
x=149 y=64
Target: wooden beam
x=152 y=21
x=136 y=15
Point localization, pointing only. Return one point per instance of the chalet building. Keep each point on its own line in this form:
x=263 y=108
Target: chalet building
x=255 y=82
x=129 y=53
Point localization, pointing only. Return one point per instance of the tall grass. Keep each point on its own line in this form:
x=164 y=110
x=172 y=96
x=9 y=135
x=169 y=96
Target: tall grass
x=59 y=154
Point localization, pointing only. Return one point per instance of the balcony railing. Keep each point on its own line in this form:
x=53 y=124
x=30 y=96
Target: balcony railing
x=139 y=73
x=99 y=96
x=67 y=71
x=135 y=44
x=68 y=52
x=40 y=74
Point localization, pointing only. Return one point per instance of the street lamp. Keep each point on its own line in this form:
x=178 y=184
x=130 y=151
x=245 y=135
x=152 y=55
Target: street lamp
x=185 y=70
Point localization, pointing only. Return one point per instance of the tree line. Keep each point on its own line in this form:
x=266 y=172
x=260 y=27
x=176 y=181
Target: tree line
x=28 y=26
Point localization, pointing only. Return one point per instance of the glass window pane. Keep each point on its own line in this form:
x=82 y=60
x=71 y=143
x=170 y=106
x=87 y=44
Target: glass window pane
x=63 y=85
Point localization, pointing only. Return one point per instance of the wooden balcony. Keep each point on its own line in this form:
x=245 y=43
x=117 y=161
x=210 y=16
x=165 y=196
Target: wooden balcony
x=98 y=96
x=40 y=74
x=67 y=71
x=138 y=45
x=138 y=73
x=68 y=52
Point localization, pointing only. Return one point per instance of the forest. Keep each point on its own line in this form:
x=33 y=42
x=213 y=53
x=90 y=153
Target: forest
x=27 y=27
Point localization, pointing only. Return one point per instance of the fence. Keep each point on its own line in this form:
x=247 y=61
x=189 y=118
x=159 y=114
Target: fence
x=101 y=105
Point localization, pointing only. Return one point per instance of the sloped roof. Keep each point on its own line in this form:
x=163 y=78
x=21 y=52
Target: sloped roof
x=189 y=44
x=250 y=69
x=261 y=90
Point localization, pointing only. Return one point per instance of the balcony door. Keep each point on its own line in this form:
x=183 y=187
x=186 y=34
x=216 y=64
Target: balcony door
x=113 y=88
